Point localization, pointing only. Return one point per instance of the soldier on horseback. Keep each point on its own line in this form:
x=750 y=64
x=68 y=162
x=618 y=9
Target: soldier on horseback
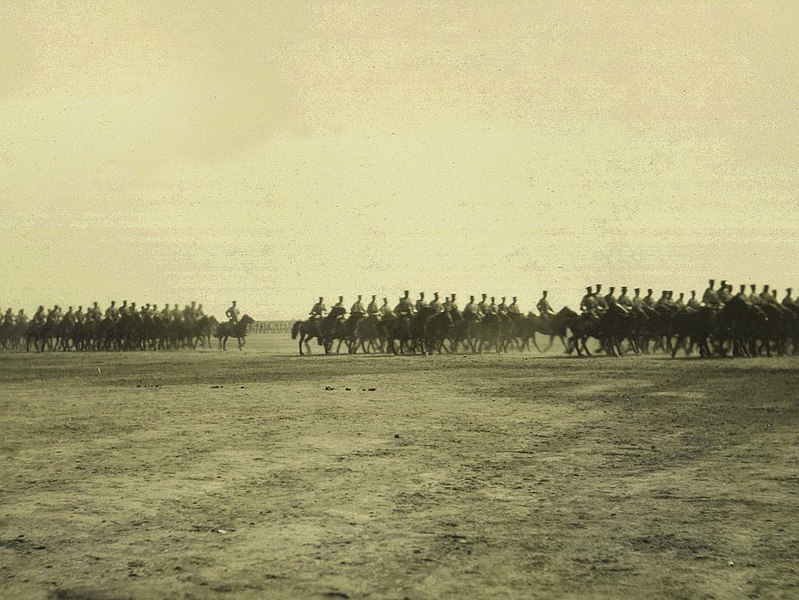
x=649 y=300
x=544 y=307
x=373 y=309
x=357 y=310
x=112 y=312
x=710 y=298
x=385 y=310
x=482 y=306
x=502 y=309
x=472 y=310
x=693 y=303
x=232 y=313
x=514 y=312
x=421 y=303
x=8 y=317
x=725 y=292
x=588 y=302
x=624 y=300
x=435 y=303
x=637 y=302
x=319 y=309
x=405 y=306
x=788 y=301
x=601 y=303
x=453 y=304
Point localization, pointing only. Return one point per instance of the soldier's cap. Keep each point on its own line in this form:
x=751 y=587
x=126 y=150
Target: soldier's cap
x=650 y=290
x=693 y=291
x=407 y=292
x=723 y=282
x=484 y=295
x=421 y=294
x=789 y=290
x=711 y=281
x=514 y=297
x=359 y=296
x=588 y=287
x=545 y=292
x=374 y=296
x=599 y=285
x=624 y=287
x=341 y=297
x=637 y=289
x=435 y=294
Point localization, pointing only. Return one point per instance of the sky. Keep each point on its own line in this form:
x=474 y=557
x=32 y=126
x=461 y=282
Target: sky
x=274 y=152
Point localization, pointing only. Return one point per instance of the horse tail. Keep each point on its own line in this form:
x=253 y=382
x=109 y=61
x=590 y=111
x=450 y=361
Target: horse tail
x=295 y=329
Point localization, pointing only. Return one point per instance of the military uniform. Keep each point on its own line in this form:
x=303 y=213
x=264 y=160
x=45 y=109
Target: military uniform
x=385 y=309
x=421 y=304
x=482 y=306
x=232 y=313
x=693 y=303
x=502 y=308
x=588 y=302
x=710 y=297
x=543 y=306
x=472 y=308
x=624 y=299
x=373 y=308
x=319 y=309
x=788 y=301
x=357 y=308
x=435 y=303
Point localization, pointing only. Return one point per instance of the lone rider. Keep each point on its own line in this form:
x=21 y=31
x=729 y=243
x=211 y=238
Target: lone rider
x=232 y=313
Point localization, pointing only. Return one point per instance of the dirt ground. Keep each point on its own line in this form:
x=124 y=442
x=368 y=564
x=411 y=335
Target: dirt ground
x=260 y=474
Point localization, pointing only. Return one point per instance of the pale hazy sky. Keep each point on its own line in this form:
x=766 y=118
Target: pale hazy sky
x=273 y=152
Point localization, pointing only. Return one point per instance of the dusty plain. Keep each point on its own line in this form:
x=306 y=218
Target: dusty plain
x=260 y=474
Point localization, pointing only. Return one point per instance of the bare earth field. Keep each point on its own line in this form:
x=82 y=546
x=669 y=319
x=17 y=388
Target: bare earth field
x=242 y=475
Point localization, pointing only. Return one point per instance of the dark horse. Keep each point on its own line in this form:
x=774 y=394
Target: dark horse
x=235 y=330
x=316 y=328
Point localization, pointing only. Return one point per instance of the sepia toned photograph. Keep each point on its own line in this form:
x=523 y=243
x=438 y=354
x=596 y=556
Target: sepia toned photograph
x=399 y=300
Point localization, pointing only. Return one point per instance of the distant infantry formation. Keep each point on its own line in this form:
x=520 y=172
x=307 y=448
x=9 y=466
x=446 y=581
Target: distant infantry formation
x=749 y=323
x=120 y=327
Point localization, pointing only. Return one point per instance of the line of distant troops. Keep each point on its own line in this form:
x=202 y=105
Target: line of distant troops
x=593 y=301
x=189 y=313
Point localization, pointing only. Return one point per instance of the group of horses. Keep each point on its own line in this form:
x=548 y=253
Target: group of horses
x=736 y=329
x=129 y=332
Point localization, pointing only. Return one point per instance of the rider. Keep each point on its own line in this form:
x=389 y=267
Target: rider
x=680 y=302
x=232 y=313
x=513 y=310
x=544 y=307
x=405 y=305
x=588 y=302
x=766 y=295
x=601 y=303
x=502 y=309
x=649 y=299
x=385 y=310
x=624 y=300
x=710 y=297
x=453 y=303
x=373 y=308
x=8 y=317
x=112 y=312
x=357 y=310
x=754 y=298
x=788 y=301
x=435 y=303
x=483 y=305
x=472 y=309
x=693 y=303
x=421 y=303
x=610 y=298
x=637 y=301
x=492 y=308
x=319 y=309
x=725 y=292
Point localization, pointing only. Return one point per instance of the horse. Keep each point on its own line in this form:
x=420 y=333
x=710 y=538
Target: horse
x=554 y=326
x=236 y=330
x=367 y=335
x=321 y=329
x=397 y=328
